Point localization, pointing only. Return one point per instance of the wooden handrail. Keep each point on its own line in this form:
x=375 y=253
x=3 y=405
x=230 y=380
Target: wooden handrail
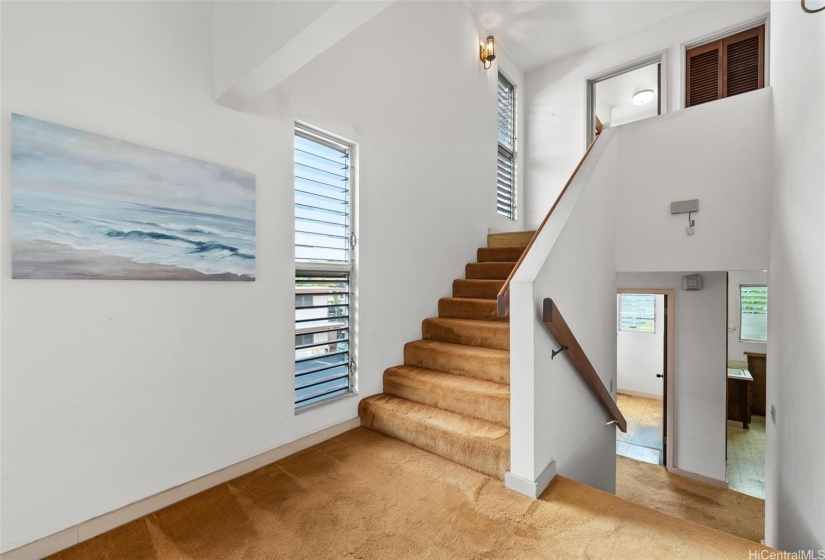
x=503 y=297
x=561 y=332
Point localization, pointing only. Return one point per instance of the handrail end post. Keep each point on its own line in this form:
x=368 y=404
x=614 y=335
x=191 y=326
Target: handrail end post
x=547 y=310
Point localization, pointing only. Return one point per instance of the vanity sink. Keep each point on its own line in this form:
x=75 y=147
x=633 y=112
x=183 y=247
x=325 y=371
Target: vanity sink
x=739 y=374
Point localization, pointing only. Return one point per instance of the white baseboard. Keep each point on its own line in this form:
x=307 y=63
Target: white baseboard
x=630 y=393
x=93 y=527
x=700 y=477
x=528 y=487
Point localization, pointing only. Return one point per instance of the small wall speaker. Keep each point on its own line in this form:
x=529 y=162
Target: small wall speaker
x=692 y=282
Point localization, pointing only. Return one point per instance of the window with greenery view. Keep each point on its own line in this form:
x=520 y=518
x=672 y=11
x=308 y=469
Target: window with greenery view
x=753 y=313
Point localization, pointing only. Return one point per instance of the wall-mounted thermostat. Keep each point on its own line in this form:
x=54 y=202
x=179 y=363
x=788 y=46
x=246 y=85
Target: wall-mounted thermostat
x=692 y=282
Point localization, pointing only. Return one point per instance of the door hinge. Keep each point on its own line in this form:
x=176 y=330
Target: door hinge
x=353 y=367
x=353 y=241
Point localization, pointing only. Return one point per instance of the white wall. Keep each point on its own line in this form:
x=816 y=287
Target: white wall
x=795 y=491
x=720 y=153
x=640 y=357
x=114 y=391
x=245 y=34
x=737 y=348
x=553 y=414
x=699 y=364
x=556 y=94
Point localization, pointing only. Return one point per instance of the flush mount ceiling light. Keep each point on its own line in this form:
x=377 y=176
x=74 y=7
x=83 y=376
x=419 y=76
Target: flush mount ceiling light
x=487 y=52
x=813 y=6
x=642 y=97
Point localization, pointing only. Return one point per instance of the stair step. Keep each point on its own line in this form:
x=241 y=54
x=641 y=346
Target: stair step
x=489 y=364
x=499 y=254
x=469 y=308
x=474 y=443
x=489 y=270
x=510 y=239
x=471 y=332
x=482 y=289
x=455 y=393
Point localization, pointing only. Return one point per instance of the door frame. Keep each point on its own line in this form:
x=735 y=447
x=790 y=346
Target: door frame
x=670 y=370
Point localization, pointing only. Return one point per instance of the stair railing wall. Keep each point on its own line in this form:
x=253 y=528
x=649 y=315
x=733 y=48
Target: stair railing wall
x=556 y=424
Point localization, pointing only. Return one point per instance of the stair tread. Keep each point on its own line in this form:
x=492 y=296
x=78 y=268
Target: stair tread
x=485 y=309
x=504 y=253
x=471 y=332
x=509 y=239
x=446 y=421
x=470 y=323
x=460 y=348
x=451 y=380
x=488 y=270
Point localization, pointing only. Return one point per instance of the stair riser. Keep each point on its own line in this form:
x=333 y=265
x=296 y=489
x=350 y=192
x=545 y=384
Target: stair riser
x=489 y=335
x=478 y=455
x=484 y=289
x=495 y=369
x=468 y=309
x=492 y=408
x=488 y=271
x=515 y=239
x=499 y=254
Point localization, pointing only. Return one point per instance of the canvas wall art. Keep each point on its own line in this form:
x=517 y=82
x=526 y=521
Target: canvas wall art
x=90 y=207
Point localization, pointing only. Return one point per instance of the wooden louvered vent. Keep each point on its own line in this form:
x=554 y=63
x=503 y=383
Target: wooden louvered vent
x=729 y=66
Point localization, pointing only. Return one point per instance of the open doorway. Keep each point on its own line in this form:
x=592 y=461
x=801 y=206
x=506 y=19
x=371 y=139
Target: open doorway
x=644 y=352
x=747 y=341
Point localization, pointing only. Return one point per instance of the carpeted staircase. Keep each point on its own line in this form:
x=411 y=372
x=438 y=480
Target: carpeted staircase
x=452 y=395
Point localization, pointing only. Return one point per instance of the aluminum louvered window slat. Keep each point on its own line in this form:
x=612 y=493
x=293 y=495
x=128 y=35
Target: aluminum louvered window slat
x=323 y=262
x=753 y=313
x=505 y=166
x=637 y=313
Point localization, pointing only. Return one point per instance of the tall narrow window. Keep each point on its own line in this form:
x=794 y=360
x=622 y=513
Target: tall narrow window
x=506 y=175
x=324 y=245
x=753 y=313
x=726 y=67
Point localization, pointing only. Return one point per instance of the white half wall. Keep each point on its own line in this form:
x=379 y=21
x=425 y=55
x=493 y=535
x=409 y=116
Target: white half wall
x=699 y=368
x=720 y=153
x=794 y=488
x=556 y=94
x=640 y=357
x=113 y=391
x=554 y=416
x=736 y=347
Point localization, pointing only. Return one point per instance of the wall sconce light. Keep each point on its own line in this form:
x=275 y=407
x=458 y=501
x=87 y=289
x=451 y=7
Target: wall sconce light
x=487 y=52
x=812 y=6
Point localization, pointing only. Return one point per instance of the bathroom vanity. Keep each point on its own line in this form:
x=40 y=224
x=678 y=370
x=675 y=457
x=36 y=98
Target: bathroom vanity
x=739 y=402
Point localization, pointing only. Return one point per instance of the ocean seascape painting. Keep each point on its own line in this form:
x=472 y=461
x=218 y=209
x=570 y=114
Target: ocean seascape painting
x=85 y=206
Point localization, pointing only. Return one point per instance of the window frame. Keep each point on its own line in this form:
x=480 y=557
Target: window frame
x=767 y=303
x=509 y=153
x=350 y=268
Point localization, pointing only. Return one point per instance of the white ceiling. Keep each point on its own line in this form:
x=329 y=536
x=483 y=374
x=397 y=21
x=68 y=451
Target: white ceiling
x=535 y=33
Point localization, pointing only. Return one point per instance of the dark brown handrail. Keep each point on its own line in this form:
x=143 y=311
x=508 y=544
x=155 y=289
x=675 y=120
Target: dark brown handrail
x=561 y=332
x=503 y=297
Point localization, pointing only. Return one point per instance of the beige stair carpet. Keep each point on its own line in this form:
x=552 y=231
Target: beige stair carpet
x=451 y=396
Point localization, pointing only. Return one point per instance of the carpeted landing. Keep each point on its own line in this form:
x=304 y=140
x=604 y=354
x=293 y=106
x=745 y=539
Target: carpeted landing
x=652 y=486
x=366 y=495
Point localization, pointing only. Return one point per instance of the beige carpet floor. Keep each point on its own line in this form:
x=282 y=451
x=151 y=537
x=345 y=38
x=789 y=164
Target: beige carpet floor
x=652 y=486
x=365 y=495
